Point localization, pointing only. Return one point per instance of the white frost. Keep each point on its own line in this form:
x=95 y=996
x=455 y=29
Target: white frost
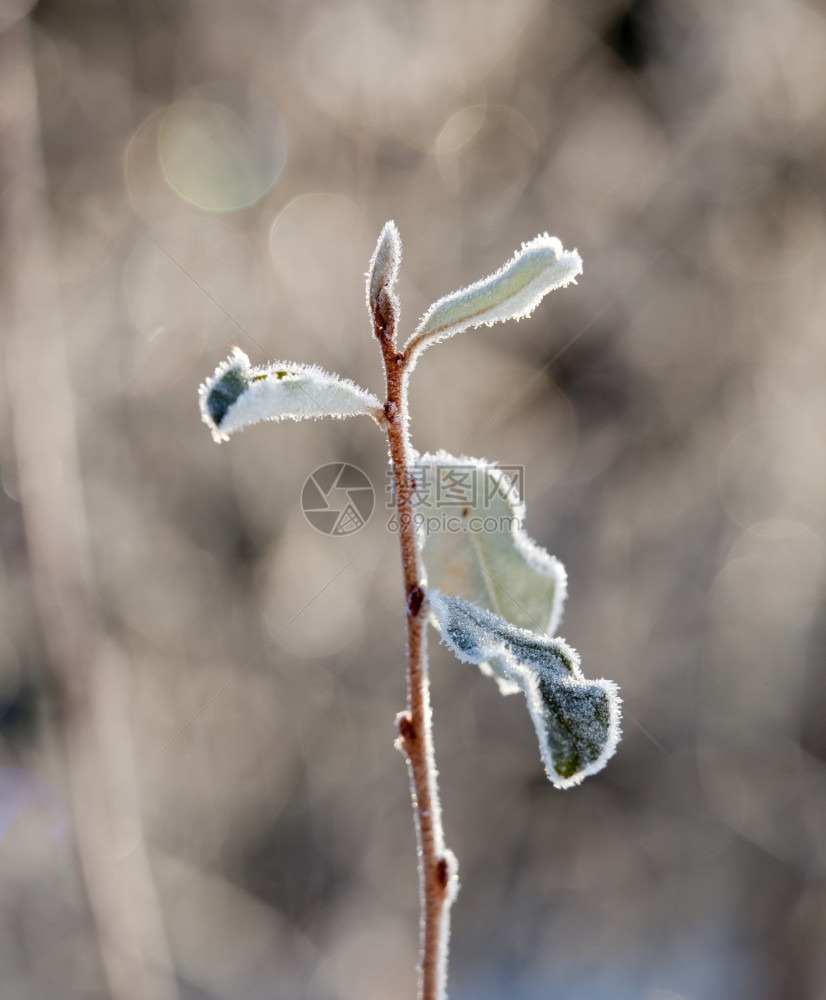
x=384 y=264
x=478 y=549
x=239 y=394
x=577 y=720
x=512 y=292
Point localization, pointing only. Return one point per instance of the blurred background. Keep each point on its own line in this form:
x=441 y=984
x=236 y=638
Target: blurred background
x=199 y=794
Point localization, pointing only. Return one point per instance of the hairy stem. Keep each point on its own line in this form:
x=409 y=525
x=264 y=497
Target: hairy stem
x=437 y=865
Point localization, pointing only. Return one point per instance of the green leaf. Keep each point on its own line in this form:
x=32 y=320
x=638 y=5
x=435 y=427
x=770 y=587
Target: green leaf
x=577 y=720
x=239 y=395
x=512 y=292
x=469 y=517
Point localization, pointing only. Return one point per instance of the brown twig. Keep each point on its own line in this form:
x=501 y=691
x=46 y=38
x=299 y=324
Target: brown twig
x=438 y=881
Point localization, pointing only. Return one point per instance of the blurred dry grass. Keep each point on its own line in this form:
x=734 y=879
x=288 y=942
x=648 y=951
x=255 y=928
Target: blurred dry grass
x=218 y=174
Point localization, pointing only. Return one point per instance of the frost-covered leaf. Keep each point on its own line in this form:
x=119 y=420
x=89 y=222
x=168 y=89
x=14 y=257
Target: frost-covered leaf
x=577 y=720
x=239 y=394
x=512 y=292
x=469 y=528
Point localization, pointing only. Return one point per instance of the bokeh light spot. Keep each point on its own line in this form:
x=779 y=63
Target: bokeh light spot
x=485 y=148
x=222 y=147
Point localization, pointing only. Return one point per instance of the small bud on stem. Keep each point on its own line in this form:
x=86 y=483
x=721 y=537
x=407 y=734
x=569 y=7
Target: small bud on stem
x=381 y=279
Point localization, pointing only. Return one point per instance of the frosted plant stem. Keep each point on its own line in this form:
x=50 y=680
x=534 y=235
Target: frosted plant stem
x=437 y=865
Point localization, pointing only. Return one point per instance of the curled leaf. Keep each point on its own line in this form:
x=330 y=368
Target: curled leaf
x=239 y=394
x=512 y=292
x=577 y=720
x=470 y=533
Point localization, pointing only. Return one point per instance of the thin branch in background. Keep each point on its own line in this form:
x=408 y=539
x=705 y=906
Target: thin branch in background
x=85 y=672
